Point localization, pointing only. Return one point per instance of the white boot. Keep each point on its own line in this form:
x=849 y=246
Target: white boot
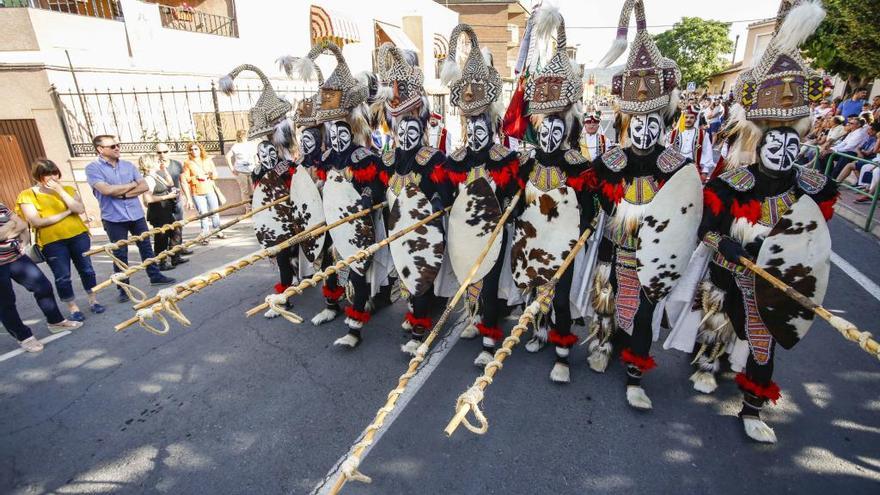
x=535 y=344
x=411 y=347
x=637 y=397
x=348 y=340
x=470 y=331
x=483 y=359
x=560 y=373
x=758 y=430
x=599 y=356
x=324 y=316
x=406 y=325
x=353 y=324
x=704 y=382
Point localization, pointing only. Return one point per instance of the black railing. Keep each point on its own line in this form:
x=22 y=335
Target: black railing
x=104 y=9
x=142 y=118
x=187 y=19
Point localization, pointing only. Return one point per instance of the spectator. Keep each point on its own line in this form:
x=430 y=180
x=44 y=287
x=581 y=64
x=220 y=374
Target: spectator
x=714 y=115
x=821 y=110
x=241 y=159
x=853 y=106
x=54 y=212
x=875 y=108
x=868 y=180
x=160 y=198
x=867 y=151
x=174 y=168
x=197 y=180
x=858 y=133
x=117 y=184
x=14 y=265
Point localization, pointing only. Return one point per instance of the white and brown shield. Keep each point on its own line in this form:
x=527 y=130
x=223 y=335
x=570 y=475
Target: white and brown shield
x=668 y=234
x=341 y=199
x=308 y=210
x=798 y=252
x=275 y=224
x=418 y=254
x=543 y=235
x=474 y=215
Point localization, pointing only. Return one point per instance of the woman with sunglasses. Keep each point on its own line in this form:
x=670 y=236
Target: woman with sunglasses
x=197 y=180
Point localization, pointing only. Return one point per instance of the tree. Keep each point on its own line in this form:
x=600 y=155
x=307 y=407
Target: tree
x=848 y=42
x=697 y=46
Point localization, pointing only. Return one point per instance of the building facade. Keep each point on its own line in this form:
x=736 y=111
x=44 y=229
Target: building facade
x=757 y=38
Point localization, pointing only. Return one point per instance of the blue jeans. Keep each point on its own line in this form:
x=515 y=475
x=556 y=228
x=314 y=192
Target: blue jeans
x=116 y=231
x=204 y=204
x=60 y=253
x=29 y=276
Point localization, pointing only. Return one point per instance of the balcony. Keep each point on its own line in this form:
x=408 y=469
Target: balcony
x=102 y=9
x=186 y=18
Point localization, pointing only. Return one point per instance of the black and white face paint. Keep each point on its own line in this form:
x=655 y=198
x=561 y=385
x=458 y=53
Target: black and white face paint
x=267 y=155
x=478 y=135
x=409 y=134
x=551 y=133
x=340 y=136
x=645 y=130
x=308 y=142
x=779 y=149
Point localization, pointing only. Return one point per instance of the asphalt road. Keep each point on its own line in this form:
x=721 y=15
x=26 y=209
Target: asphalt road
x=236 y=405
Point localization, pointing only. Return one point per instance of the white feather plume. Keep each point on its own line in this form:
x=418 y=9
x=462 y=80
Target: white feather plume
x=302 y=68
x=547 y=21
x=487 y=55
x=450 y=72
x=226 y=85
x=384 y=92
x=801 y=22
x=285 y=63
x=616 y=50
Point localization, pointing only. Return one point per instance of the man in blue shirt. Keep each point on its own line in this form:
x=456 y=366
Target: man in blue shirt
x=117 y=184
x=853 y=106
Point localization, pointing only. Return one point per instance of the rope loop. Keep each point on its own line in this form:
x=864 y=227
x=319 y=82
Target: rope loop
x=472 y=398
x=146 y=314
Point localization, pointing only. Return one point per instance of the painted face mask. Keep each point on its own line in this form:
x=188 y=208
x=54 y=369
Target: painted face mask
x=340 y=136
x=267 y=155
x=477 y=133
x=779 y=149
x=551 y=134
x=645 y=130
x=309 y=141
x=409 y=134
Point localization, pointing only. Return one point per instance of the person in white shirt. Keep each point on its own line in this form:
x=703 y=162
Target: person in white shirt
x=694 y=142
x=857 y=136
x=241 y=159
x=437 y=136
x=593 y=140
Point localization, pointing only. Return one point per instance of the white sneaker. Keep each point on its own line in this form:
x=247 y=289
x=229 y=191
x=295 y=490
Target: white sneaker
x=31 y=344
x=758 y=430
x=270 y=314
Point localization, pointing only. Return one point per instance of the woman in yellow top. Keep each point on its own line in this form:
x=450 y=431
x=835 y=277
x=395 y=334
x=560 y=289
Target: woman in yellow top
x=54 y=212
x=197 y=180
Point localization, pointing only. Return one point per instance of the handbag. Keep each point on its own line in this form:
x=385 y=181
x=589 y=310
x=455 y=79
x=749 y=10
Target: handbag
x=32 y=250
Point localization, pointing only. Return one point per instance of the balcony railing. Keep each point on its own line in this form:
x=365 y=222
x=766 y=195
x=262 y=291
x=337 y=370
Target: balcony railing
x=187 y=19
x=104 y=9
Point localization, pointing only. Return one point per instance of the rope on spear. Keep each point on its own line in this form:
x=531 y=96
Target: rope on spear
x=137 y=295
x=471 y=398
x=350 y=466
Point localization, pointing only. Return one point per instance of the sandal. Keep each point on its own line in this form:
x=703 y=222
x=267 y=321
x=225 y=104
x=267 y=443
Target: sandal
x=64 y=325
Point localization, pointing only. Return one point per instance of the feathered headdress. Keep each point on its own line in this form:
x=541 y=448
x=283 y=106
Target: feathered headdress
x=402 y=82
x=269 y=110
x=477 y=88
x=305 y=69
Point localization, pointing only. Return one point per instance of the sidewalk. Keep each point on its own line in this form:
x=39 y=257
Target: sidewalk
x=856 y=213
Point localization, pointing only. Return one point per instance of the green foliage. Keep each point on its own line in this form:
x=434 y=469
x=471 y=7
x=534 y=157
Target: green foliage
x=697 y=45
x=848 y=41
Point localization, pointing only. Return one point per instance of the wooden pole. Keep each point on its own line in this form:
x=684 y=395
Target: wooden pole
x=355 y=457
x=474 y=394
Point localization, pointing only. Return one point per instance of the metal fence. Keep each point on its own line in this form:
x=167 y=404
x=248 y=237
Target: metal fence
x=176 y=116
x=104 y=9
x=187 y=19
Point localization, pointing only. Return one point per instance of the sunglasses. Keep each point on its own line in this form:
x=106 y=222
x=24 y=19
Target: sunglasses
x=112 y=146
x=161 y=152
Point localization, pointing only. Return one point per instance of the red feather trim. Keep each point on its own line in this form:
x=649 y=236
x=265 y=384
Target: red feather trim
x=279 y=288
x=332 y=294
x=505 y=174
x=644 y=364
x=827 y=207
x=493 y=333
x=712 y=201
x=321 y=173
x=456 y=178
x=383 y=176
x=585 y=180
x=751 y=210
x=556 y=338
x=438 y=175
x=769 y=391
x=419 y=322
x=614 y=192
x=366 y=174
x=361 y=316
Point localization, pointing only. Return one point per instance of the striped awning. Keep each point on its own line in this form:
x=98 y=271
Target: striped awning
x=395 y=35
x=332 y=26
x=441 y=46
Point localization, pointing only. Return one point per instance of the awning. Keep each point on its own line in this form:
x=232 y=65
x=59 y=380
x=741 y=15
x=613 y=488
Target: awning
x=396 y=36
x=441 y=46
x=332 y=26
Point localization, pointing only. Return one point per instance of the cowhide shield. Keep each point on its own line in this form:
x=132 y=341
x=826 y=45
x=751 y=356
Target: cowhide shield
x=308 y=211
x=418 y=254
x=668 y=234
x=543 y=235
x=475 y=213
x=275 y=224
x=341 y=199
x=798 y=252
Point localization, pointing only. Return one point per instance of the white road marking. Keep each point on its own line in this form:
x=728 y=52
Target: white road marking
x=12 y=354
x=433 y=361
x=859 y=277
